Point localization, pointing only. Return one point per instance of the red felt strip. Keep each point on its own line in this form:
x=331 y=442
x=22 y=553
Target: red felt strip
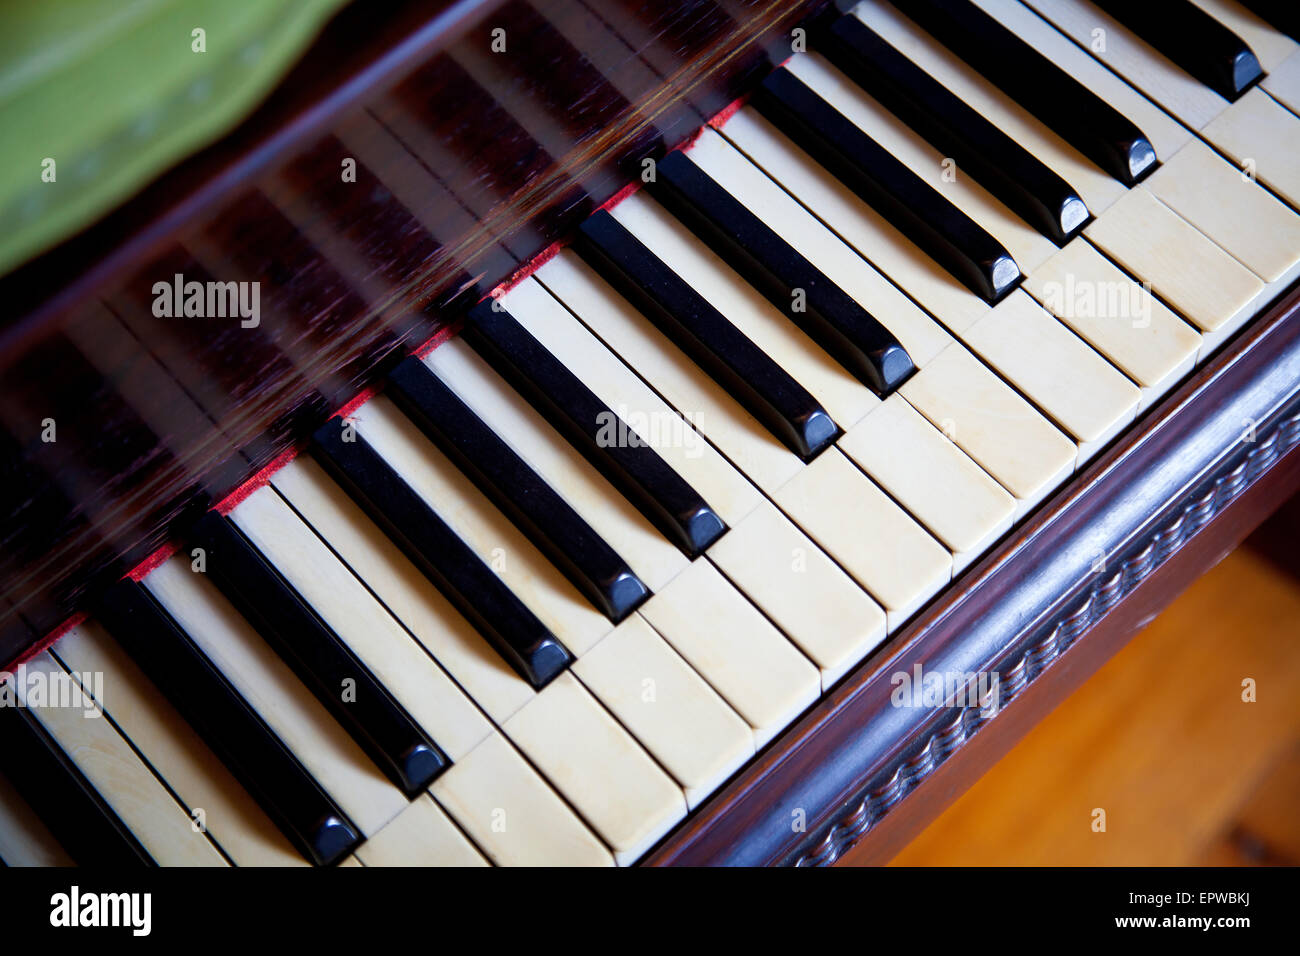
x=263 y=475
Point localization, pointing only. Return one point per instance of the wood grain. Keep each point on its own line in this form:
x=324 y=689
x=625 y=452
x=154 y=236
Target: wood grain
x=1174 y=762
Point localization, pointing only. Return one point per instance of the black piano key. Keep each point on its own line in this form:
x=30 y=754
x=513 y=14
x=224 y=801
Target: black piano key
x=916 y=208
x=1060 y=102
x=991 y=157
x=533 y=505
x=831 y=317
x=1284 y=15
x=769 y=393
x=73 y=811
x=239 y=737
x=447 y=561
x=320 y=658
x=1193 y=40
x=645 y=479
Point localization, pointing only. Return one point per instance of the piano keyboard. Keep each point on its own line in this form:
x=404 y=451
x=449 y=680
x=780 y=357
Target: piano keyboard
x=545 y=593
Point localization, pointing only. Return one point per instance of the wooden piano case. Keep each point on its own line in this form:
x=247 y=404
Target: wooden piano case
x=473 y=195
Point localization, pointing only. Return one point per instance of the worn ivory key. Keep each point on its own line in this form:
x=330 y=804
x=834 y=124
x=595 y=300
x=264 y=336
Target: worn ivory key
x=1119 y=318
x=1186 y=269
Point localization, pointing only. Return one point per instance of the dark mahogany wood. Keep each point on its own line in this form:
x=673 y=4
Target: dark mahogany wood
x=469 y=162
x=1129 y=615
x=1044 y=609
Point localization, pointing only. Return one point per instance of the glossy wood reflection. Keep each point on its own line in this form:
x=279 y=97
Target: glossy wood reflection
x=402 y=170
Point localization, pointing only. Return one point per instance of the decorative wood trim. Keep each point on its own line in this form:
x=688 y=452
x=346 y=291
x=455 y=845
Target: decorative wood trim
x=1034 y=655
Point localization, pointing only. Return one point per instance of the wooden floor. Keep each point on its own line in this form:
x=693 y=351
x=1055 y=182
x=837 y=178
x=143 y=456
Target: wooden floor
x=1161 y=740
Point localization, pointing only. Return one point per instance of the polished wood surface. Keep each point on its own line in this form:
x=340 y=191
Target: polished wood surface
x=1187 y=772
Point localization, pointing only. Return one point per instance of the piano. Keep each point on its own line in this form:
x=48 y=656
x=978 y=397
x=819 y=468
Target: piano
x=550 y=432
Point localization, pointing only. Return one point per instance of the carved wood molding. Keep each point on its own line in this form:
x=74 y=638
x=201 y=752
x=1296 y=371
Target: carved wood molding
x=1038 y=650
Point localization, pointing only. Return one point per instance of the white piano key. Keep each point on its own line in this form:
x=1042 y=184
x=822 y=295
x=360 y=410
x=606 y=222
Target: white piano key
x=1026 y=244
x=1226 y=205
x=24 y=839
x=483 y=673
x=648 y=553
x=667 y=706
x=1270 y=46
x=687 y=451
x=868 y=232
x=379 y=642
x=279 y=697
x=1074 y=385
x=108 y=763
x=421 y=835
x=1095 y=187
x=510 y=812
x=1261 y=135
x=1205 y=284
x=176 y=752
x=839 y=392
x=1165 y=133
x=877 y=542
x=991 y=422
x=350 y=861
x=598 y=767
x=1133 y=59
x=770 y=203
x=932 y=478
x=733 y=647
x=1283 y=83
x=666 y=369
x=532 y=578
x=819 y=607
x=1119 y=318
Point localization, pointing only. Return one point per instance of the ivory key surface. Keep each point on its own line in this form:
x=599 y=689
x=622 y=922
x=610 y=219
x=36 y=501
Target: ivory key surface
x=1119 y=318
x=421 y=835
x=512 y=814
x=497 y=542
x=279 y=697
x=1057 y=370
x=404 y=590
x=733 y=647
x=1259 y=133
x=991 y=422
x=176 y=752
x=931 y=477
x=688 y=452
x=1183 y=266
x=1232 y=209
x=383 y=646
x=123 y=780
x=667 y=706
x=670 y=372
x=598 y=767
x=878 y=543
x=807 y=595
